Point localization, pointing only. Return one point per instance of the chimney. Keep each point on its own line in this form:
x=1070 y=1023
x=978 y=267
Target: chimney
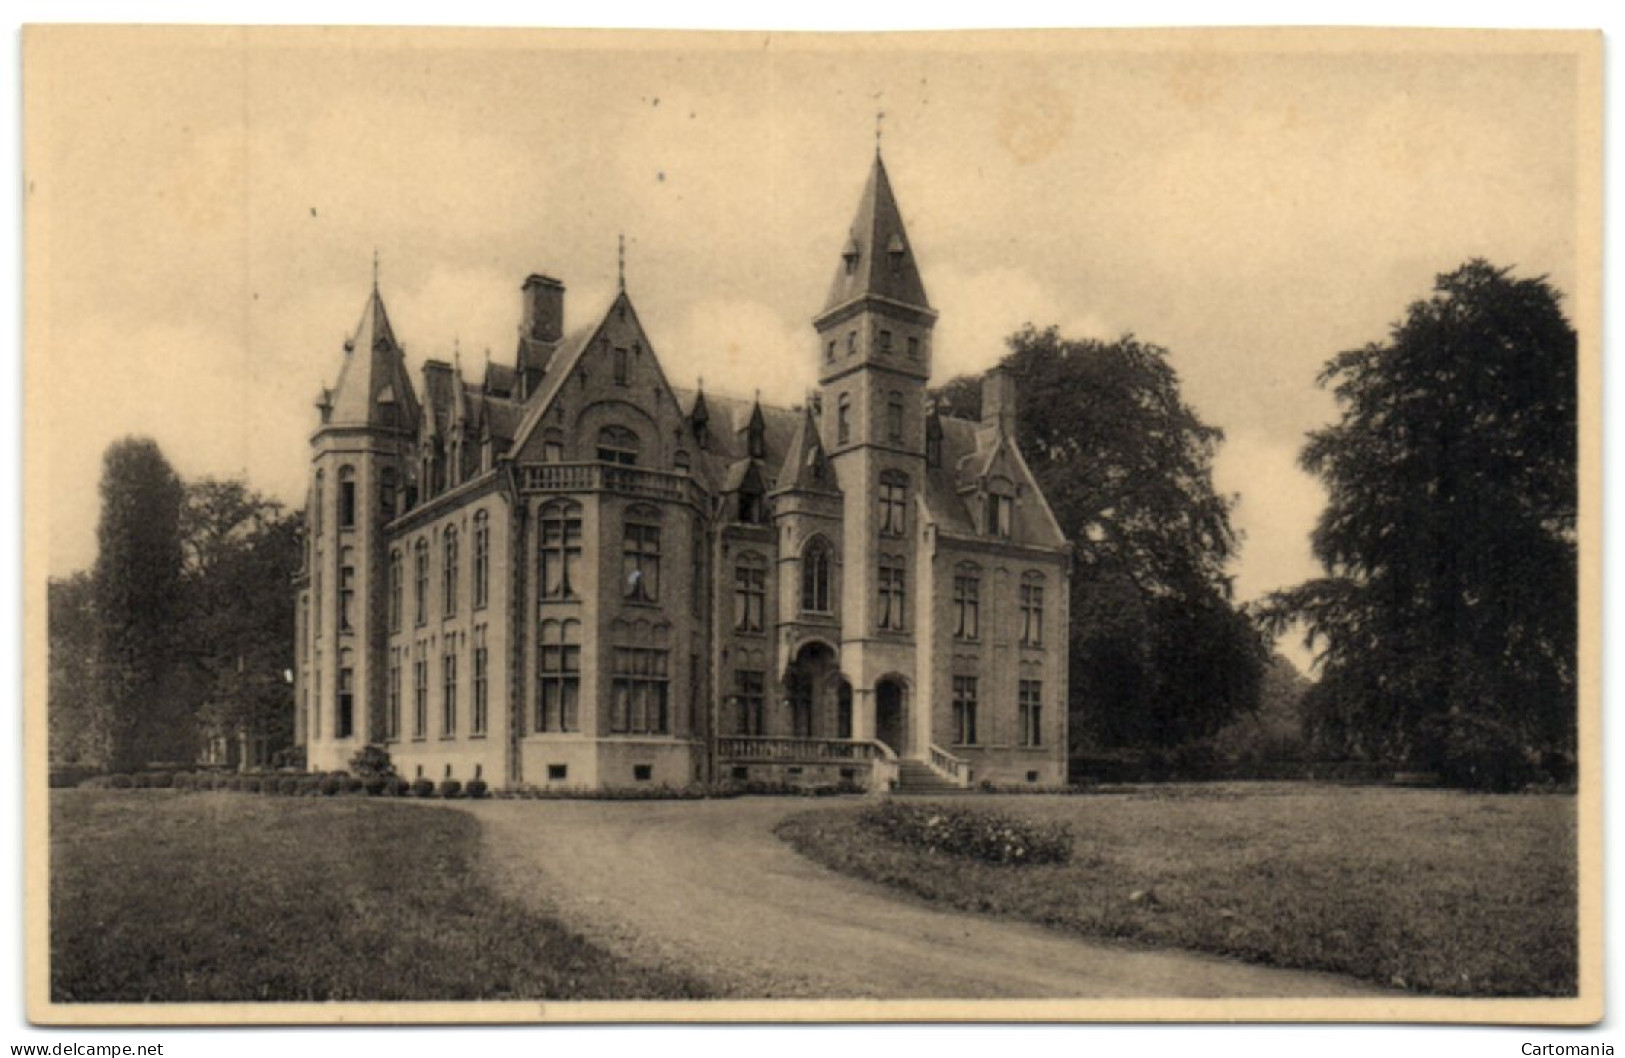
x=540 y=329
x=544 y=309
x=999 y=400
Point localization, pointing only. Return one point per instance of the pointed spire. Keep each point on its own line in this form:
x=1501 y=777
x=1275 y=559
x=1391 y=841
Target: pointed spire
x=373 y=388
x=878 y=259
x=699 y=416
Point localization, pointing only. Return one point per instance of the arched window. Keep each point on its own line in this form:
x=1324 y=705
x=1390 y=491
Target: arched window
x=893 y=503
x=560 y=549
x=617 y=444
x=967 y=601
x=449 y=571
x=318 y=502
x=420 y=580
x=750 y=593
x=894 y=416
x=843 y=419
x=640 y=555
x=558 y=693
x=816 y=596
x=1032 y=609
x=752 y=504
x=482 y=559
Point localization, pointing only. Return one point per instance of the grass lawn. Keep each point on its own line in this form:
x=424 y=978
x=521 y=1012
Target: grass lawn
x=159 y=895
x=1435 y=891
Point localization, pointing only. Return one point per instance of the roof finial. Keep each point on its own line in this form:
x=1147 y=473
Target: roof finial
x=701 y=381
x=880 y=116
x=375 y=269
x=620 y=262
x=457 y=352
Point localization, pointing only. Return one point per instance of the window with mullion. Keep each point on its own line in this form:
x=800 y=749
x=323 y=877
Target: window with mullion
x=640 y=560
x=964 y=710
x=560 y=550
x=1030 y=720
x=967 y=606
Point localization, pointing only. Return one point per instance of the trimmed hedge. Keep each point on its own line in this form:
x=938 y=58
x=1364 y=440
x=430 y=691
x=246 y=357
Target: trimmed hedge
x=451 y=788
x=971 y=833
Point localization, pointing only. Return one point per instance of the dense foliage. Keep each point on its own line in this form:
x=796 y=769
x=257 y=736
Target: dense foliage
x=1159 y=653
x=183 y=630
x=1446 y=621
x=137 y=602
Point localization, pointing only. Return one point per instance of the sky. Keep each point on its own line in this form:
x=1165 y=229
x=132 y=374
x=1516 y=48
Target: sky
x=204 y=207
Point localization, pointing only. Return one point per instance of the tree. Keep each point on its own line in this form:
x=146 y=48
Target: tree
x=74 y=721
x=1159 y=654
x=241 y=552
x=1448 y=611
x=138 y=602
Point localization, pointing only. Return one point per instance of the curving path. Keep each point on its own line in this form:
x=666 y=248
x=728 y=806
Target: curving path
x=706 y=886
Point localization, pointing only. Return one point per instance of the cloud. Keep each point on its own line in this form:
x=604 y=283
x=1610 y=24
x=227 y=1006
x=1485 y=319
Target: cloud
x=981 y=307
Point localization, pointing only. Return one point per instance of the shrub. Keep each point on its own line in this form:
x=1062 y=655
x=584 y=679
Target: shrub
x=979 y=834
x=423 y=788
x=121 y=782
x=250 y=784
x=330 y=785
x=372 y=761
x=288 y=786
x=477 y=789
x=375 y=785
x=451 y=788
x=354 y=784
x=1475 y=753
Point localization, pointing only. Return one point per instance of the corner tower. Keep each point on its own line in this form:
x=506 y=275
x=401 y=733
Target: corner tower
x=874 y=350
x=360 y=461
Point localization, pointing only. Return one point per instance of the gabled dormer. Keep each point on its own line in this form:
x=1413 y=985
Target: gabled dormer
x=806 y=466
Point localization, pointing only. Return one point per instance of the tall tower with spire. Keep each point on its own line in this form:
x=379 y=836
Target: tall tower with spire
x=874 y=350
x=360 y=472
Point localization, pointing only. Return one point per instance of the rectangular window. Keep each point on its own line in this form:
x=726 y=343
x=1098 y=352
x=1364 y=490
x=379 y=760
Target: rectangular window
x=558 y=705
x=640 y=562
x=851 y=342
x=967 y=607
x=829 y=353
x=893 y=505
x=346 y=597
x=843 y=419
x=885 y=341
x=392 y=711
x=1030 y=719
x=1000 y=514
x=623 y=370
x=965 y=710
x=346 y=710
x=750 y=596
x=482 y=682
x=640 y=701
x=749 y=693
x=892 y=605
x=420 y=694
x=560 y=551
x=913 y=347
x=1032 y=614
x=448 y=706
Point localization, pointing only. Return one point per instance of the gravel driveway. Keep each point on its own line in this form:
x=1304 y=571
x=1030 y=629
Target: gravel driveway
x=706 y=886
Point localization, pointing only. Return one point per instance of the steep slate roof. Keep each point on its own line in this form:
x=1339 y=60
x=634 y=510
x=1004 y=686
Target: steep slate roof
x=804 y=449
x=374 y=375
x=876 y=236
x=726 y=440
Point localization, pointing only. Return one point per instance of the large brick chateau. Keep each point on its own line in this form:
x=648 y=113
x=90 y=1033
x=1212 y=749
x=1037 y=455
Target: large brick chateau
x=568 y=572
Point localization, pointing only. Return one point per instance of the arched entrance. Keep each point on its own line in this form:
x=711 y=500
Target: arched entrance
x=891 y=715
x=810 y=688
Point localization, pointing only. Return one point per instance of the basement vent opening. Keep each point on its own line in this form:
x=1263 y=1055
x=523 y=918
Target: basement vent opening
x=555 y=772
x=1032 y=776
x=643 y=772
x=741 y=773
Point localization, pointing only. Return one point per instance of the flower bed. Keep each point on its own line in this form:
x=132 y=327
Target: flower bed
x=972 y=833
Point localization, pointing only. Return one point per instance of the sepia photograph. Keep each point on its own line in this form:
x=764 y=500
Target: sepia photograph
x=626 y=526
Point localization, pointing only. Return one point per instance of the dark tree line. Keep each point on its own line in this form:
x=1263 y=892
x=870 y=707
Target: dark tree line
x=183 y=629
x=1160 y=655
x=1447 y=619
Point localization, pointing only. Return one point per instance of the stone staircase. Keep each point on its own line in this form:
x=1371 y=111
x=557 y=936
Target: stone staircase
x=918 y=777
